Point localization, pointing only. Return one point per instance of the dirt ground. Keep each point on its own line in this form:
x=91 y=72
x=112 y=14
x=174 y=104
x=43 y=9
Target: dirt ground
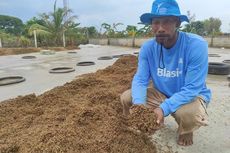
x=16 y=51
x=82 y=116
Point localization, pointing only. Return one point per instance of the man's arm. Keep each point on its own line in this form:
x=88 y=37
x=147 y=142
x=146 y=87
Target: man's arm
x=141 y=79
x=194 y=80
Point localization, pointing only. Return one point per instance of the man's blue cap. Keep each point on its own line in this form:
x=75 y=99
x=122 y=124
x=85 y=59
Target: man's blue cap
x=162 y=8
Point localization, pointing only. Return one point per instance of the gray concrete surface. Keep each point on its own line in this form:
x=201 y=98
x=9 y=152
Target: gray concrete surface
x=36 y=71
x=214 y=138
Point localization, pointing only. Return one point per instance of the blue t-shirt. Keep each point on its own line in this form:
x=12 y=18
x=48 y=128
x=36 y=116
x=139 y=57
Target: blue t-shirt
x=179 y=72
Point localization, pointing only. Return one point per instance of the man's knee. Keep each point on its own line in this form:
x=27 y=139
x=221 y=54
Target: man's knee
x=184 y=116
x=191 y=116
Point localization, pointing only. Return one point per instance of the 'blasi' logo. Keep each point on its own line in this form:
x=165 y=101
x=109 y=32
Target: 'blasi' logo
x=166 y=73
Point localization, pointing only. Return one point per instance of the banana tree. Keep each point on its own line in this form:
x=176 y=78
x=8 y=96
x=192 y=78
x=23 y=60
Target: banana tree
x=145 y=31
x=108 y=29
x=132 y=31
x=115 y=25
x=111 y=30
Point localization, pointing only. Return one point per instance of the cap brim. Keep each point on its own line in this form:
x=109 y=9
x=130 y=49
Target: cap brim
x=147 y=17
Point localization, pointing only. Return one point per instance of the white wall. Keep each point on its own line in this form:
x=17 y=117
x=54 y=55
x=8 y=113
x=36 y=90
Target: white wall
x=137 y=42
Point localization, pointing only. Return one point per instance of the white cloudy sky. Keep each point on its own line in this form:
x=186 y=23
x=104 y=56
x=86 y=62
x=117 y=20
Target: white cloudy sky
x=96 y=12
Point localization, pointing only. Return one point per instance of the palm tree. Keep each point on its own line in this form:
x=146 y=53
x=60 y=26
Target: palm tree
x=55 y=25
x=38 y=30
x=115 y=26
x=108 y=28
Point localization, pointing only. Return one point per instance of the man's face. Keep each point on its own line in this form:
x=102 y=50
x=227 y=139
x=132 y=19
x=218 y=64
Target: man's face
x=164 y=29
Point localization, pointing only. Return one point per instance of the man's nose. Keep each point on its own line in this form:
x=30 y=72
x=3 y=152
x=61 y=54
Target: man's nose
x=161 y=29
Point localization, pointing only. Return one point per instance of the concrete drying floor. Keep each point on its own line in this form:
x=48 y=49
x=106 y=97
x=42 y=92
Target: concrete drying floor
x=211 y=139
x=36 y=71
x=214 y=138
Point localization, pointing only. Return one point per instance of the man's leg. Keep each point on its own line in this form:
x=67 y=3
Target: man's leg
x=190 y=117
x=154 y=98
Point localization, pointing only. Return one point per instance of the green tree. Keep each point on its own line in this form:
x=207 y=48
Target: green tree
x=115 y=25
x=195 y=27
x=2 y=36
x=92 y=32
x=108 y=29
x=25 y=42
x=7 y=38
x=190 y=27
x=131 y=30
x=39 y=31
x=11 y=25
x=212 y=26
x=31 y=22
x=77 y=35
x=145 y=31
x=88 y=32
x=55 y=24
x=111 y=31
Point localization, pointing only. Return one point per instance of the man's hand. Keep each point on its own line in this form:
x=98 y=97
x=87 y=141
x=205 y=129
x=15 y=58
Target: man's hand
x=160 y=115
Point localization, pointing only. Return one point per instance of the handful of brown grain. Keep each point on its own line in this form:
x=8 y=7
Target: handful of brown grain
x=142 y=118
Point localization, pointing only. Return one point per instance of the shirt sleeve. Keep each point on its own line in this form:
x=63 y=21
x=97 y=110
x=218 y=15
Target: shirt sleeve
x=195 y=77
x=141 y=79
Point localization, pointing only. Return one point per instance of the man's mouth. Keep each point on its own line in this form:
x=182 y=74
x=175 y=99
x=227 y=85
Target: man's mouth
x=162 y=36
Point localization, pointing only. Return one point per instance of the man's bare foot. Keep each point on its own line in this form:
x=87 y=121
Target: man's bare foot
x=185 y=139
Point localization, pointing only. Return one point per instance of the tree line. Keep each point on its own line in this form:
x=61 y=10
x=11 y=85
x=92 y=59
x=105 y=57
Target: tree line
x=59 y=28
x=207 y=27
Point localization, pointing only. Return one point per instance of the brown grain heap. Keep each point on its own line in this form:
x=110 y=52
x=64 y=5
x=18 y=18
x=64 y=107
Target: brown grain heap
x=83 y=116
